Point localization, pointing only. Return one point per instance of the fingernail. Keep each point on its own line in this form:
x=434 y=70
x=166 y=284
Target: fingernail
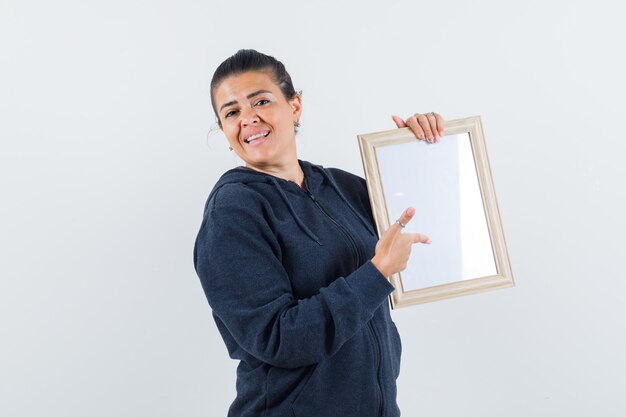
x=428 y=241
x=410 y=211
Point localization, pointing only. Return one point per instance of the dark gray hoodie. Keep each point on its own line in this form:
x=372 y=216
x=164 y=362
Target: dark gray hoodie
x=287 y=273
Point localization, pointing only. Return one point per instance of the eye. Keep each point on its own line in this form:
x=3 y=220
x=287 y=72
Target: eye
x=230 y=113
x=262 y=102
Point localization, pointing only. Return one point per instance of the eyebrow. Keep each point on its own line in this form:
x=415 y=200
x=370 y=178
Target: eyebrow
x=249 y=96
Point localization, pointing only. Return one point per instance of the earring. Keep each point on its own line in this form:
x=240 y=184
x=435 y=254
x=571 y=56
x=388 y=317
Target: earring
x=230 y=148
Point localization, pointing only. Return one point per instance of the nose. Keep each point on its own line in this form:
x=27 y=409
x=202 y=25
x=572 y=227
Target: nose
x=249 y=116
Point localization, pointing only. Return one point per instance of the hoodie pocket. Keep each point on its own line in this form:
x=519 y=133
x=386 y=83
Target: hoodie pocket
x=344 y=384
x=301 y=404
x=283 y=385
x=307 y=382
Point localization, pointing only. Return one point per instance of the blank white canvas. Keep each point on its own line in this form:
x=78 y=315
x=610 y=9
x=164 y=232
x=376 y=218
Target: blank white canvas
x=440 y=181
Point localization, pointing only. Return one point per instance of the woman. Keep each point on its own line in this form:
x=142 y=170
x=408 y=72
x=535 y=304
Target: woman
x=290 y=262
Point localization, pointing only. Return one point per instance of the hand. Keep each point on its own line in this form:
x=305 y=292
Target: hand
x=394 y=247
x=428 y=127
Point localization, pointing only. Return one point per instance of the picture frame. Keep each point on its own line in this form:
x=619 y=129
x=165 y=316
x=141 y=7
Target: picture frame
x=450 y=185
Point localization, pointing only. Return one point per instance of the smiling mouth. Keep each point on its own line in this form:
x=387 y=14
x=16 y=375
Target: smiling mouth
x=257 y=136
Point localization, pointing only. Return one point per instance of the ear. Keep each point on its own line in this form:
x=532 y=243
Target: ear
x=296 y=105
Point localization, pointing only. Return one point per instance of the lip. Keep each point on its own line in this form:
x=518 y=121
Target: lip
x=259 y=141
x=264 y=133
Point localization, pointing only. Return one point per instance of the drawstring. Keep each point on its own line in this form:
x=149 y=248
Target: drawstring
x=332 y=182
x=293 y=212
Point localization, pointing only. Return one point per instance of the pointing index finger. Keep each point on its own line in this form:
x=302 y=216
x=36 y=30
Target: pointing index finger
x=420 y=238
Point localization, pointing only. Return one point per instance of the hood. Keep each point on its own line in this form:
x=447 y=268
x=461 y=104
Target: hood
x=314 y=177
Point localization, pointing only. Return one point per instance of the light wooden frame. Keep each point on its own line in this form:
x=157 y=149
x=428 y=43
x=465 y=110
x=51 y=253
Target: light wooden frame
x=504 y=278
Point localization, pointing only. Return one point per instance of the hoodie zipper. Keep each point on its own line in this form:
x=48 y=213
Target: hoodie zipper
x=371 y=327
x=378 y=367
x=339 y=226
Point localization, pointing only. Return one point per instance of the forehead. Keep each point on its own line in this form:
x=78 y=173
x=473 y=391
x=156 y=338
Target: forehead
x=237 y=87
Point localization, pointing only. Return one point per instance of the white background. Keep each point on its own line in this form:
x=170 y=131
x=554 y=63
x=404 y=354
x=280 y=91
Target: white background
x=106 y=161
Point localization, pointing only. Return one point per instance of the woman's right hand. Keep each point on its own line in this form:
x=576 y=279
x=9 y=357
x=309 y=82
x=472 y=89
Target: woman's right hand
x=394 y=247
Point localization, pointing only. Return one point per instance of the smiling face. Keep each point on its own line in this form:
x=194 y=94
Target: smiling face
x=258 y=120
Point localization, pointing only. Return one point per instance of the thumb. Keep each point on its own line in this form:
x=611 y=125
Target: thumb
x=398 y=121
x=404 y=218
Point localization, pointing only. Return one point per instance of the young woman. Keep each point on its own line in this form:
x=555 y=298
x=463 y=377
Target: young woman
x=290 y=261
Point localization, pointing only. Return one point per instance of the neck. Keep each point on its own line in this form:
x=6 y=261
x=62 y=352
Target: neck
x=291 y=172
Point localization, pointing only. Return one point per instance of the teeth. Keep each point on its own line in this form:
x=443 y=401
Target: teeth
x=257 y=136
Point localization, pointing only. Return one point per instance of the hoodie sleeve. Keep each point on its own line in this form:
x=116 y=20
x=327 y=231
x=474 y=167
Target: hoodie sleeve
x=238 y=260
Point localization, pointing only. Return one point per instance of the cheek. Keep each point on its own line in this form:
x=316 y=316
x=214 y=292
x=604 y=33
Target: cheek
x=281 y=121
x=230 y=133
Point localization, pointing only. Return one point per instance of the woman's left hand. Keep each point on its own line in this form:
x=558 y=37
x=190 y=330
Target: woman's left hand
x=428 y=127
